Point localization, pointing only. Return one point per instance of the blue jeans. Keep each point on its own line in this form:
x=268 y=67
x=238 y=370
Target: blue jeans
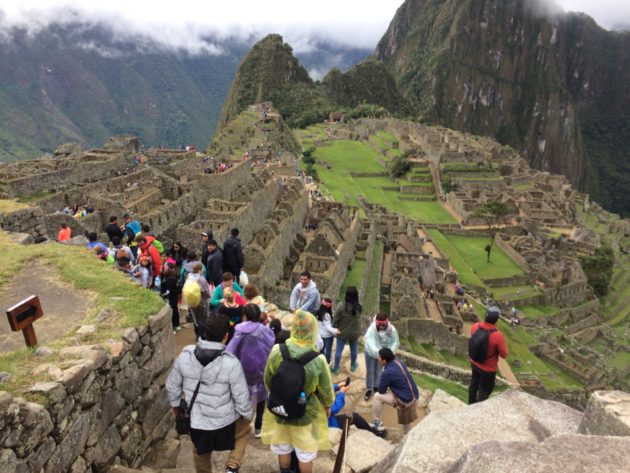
x=327 y=350
x=353 y=351
x=373 y=372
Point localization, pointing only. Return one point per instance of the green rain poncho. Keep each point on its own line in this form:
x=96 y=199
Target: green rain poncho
x=310 y=433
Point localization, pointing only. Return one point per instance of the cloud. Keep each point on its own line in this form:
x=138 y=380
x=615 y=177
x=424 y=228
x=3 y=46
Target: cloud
x=187 y=24
x=199 y=27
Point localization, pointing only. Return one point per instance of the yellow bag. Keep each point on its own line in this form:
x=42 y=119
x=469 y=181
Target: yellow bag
x=192 y=293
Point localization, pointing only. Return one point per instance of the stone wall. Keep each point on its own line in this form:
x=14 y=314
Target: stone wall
x=107 y=406
x=29 y=221
x=53 y=225
x=438 y=335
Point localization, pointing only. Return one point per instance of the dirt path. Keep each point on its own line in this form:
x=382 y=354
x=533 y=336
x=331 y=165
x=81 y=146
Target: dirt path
x=386 y=277
x=64 y=307
x=434 y=312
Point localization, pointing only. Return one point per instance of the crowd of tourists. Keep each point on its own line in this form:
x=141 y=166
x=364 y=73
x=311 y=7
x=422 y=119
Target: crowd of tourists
x=247 y=368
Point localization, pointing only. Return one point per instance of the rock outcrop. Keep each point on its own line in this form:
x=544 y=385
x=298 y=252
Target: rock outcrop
x=607 y=413
x=443 y=439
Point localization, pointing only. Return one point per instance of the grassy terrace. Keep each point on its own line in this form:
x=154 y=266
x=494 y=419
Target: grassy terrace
x=78 y=267
x=352 y=156
x=429 y=351
x=370 y=299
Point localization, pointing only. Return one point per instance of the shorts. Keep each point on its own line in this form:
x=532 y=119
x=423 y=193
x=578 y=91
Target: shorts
x=304 y=457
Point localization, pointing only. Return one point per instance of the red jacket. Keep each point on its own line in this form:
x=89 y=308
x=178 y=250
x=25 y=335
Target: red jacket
x=496 y=347
x=156 y=260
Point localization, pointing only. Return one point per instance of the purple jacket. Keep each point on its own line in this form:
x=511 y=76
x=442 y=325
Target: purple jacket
x=251 y=344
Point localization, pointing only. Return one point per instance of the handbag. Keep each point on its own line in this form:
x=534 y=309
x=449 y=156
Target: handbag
x=407 y=412
x=182 y=416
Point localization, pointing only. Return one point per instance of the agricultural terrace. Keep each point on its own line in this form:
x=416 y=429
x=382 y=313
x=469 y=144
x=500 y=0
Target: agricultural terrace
x=345 y=157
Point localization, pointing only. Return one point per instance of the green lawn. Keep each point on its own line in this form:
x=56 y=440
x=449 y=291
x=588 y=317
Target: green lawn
x=515 y=293
x=425 y=381
x=466 y=273
x=471 y=248
x=354 y=277
x=352 y=156
x=518 y=340
x=537 y=311
x=429 y=351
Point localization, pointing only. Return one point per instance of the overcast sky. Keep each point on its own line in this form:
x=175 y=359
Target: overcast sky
x=181 y=23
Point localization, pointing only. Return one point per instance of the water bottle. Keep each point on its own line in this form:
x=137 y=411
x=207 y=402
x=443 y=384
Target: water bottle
x=157 y=283
x=302 y=399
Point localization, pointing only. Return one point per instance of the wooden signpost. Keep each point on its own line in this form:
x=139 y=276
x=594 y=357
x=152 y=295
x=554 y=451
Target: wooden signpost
x=21 y=317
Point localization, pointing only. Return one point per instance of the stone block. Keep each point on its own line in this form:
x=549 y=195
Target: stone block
x=106 y=449
x=607 y=413
x=441 y=401
x=39 y=457
x=85 y=330
x=8 y=461
x=163 y=454
x=21 y=238
x=160 y=320
x=70 y=447
x=364 y=450
x=73 y=377
x=54 y=392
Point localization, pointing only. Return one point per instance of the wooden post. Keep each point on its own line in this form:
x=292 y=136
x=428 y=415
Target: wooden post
x=21 y=317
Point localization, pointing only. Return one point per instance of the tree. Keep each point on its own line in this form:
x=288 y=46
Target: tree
x=493 y=214
x=598 y=269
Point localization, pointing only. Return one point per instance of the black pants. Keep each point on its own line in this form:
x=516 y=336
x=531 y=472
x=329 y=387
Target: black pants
x=481 y=385
x=175 y=309
x=260 y=410
x=356 y=420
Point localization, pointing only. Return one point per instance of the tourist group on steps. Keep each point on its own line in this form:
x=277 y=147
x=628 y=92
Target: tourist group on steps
x=246 y=368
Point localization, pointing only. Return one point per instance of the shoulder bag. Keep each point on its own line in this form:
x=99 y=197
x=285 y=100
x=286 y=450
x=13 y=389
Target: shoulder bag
x=407 y=412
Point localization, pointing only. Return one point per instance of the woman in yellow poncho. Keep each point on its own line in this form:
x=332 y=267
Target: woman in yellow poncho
x=310 y=433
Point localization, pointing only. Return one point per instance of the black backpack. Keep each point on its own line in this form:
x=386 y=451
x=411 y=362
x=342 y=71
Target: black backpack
x=478 y=344
x=287 y=385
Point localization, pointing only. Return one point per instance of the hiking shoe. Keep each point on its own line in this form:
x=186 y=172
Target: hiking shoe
x=334 y=370
x=354 y=367
x=377 y=425
x=380 y=433
x=231 y=469
x=258 y=433
x=368 y=395
x=178 y=328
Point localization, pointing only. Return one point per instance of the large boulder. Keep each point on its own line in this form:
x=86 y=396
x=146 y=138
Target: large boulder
x=441 y=401
x=607 y=413
x=438 y=442
x=566 y=453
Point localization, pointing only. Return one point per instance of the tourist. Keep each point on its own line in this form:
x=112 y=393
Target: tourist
x=142 y=272
x=65 y=233
x=222 y=410
x=178 y=253
x=347 y=321
x=380 y=334
x=151 y=238
x=187 y=266
x=205 y=238
x=199 y=313
x=233 y=260
x=397 y=378
x=305 y=295
x=252 y=296
x=148 y=249
x=122 y=254
x=93 y=242
x=336 y=420
x=484 y=371
x=326 y=330
x=113 y=229
x=171 y=290
x=230 y=308
x=228 y=281
x=281 y=334
x=214 y=263
x=131 y=228
x=251 y=344
x=308 y=434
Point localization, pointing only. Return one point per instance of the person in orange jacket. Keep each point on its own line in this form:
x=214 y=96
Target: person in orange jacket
x=147 y=249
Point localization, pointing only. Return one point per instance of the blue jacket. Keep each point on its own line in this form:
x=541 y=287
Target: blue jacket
x=393 y=378
x=340 y=402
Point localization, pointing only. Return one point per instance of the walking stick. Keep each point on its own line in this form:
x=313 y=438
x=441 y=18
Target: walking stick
x=340 y=464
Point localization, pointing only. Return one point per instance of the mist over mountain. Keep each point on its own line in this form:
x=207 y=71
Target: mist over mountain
x=84 y=83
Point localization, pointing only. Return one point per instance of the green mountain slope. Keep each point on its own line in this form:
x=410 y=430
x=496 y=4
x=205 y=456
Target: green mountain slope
x=556 y=88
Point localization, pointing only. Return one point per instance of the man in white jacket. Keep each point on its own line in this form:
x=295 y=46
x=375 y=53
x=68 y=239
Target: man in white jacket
x=380 y=334
x=222 y=409
x=305 y=295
